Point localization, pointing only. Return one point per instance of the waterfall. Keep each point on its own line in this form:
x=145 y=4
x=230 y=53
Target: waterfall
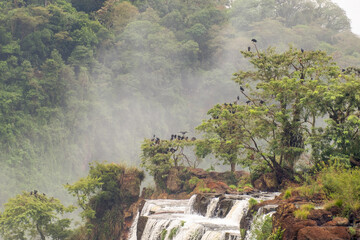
x=211 y=207
x=179 y=220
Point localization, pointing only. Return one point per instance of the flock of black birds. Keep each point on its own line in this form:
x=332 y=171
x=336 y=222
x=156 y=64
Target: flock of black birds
x=35 y=193
x=174 y=137
x=156 y=140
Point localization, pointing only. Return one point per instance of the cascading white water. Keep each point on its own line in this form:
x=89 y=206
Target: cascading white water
x=177 y=220
x=211 y=207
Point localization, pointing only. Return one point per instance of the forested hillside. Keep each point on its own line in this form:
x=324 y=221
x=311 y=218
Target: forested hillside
x=89 y=80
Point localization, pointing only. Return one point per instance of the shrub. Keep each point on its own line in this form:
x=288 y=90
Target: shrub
x=343 y=186
x=194 y=180
x=301 y=213
x=307 y=207
x=277 y=234
x=309 y=190
x=233 y=187
x=287 y=193
x=262 y=228
x=252 y=202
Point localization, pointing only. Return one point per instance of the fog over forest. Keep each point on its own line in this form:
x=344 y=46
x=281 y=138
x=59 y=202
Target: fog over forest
x=85 y=81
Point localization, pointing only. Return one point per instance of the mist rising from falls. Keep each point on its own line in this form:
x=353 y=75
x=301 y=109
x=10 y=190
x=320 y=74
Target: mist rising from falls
x=181 y=220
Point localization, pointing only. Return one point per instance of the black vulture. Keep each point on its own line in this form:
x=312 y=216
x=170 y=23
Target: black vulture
x=254 y=40
x=248 y=101
x=238 y=98
x=242 y=89
x=249 y=49
x=302 y=50
x=262 y=102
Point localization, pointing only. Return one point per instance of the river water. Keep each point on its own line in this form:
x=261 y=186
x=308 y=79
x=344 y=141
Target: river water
x=178 y=220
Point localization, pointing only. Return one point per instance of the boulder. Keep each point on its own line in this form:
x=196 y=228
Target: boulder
x=323 y=233
x=321 y=216
x=338 y=221
x=284 y=219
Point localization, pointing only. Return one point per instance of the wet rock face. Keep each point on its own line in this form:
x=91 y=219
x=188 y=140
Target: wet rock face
x=223 y=208
x=141 y=226
x=201 y=203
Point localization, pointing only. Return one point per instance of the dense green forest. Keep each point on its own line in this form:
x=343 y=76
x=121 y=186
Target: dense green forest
x=89 y=80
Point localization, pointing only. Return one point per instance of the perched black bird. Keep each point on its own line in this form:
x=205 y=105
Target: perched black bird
x=157 y=140
x=193 y=138
x=225 y=104
x=186 y=138
x=184 y=132
x=302 y=50
x=44 y=194
x=31 y=193
x=35 y=192
x=343 y=70
x=262 y=102
x=248 y=101
x=249 y=49
x=254 y=40
x=238 y=98
x=172 y=137
x=242 y=89
x=175 y=136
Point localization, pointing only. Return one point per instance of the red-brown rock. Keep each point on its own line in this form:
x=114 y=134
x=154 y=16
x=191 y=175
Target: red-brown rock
x=323 y=233
x=338 y=221
x=284 y=219
x=321 y=216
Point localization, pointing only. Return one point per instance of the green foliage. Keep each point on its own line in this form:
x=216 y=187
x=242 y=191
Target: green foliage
x=194 y=180
x=262 y=228
x=310 y=190
x=233 y=187
x=352 y=231
x=104 y=194
x=342 y=185
x=159 y=156
x=173 y=232
x=34 y=215
x=163 y=234
x=301 y=214
x=304 y=211
x=287 y=193
x=252 y=202
x=277 y=234
x=307 y=207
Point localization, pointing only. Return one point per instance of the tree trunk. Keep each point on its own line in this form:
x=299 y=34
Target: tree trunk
x=42 y=236
x=232 y=165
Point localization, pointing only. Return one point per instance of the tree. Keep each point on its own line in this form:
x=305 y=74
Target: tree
x=338 y=103
x=159 y=156
x=223 y=134
x=34 y=214
x=274 y=123
x=104 y=195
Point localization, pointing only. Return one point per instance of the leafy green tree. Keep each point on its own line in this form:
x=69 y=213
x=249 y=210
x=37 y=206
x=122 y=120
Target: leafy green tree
x=273 y=122
x=223 y=135
x=339 y=101
x=159 y=156
x=34 y=215
x=104 y=195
